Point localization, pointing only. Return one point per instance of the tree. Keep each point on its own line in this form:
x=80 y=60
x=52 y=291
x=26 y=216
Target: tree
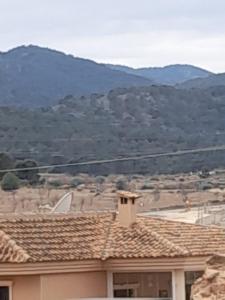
x=99 y=183
x=204 y=173
x=156 y=194
x=32 y=175
x=10 y=182
x=6 y=162
x=100 y=179
x=121 y=184
x=76 y=181
x=184 y=194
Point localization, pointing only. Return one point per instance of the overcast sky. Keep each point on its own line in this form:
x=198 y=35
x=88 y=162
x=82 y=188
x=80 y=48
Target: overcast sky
x=131 y=32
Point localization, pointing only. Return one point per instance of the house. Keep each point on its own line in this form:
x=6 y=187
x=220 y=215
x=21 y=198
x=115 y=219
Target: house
x=59 y=257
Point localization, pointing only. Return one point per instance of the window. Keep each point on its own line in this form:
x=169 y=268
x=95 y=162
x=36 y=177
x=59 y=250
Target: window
x=146 y=285
x=5 y=290
x=190 y=278
x=4 y=293
x=123 y=200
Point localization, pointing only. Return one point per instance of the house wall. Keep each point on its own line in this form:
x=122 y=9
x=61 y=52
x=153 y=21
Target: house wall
x=58 y=286
x=74 y=285
x=83 y=282
x=24 y=287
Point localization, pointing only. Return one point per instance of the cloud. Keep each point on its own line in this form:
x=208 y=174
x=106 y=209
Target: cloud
x=132 y=32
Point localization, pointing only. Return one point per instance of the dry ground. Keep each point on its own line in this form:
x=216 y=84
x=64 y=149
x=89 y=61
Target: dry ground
x=157 y=192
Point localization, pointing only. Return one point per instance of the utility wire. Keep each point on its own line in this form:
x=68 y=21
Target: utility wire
x=131 y=158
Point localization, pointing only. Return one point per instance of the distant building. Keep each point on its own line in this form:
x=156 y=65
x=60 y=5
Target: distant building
x=70 y=256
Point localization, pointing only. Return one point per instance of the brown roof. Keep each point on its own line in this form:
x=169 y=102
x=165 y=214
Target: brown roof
x=100 y=236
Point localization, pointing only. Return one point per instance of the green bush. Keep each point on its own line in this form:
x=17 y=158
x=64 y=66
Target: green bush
x=55 y=183
x=6 y=162
x=10 y=182
x=121 y=184
x=147 y=187
x=76 y=181
x=31 y=175
x=100 y=179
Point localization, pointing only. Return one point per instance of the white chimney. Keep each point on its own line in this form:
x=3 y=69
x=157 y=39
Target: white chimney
x=127 y=208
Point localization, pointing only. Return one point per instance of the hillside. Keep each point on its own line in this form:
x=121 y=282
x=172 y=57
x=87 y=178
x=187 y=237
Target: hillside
x=123 y=122
x=171 y=75
x=213 y=80
x=33 y=76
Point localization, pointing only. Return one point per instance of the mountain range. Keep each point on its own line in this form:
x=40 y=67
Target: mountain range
x=169 y=75
x=207 y=82
x=31 y=76
x=56 y=108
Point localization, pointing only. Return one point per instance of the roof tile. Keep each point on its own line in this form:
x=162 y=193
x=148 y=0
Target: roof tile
x=100 y=236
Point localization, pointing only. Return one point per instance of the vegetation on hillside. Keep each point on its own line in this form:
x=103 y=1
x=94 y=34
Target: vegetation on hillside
x=124 y=122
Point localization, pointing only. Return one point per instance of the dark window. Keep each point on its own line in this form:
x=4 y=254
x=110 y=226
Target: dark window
x=190 y=278
x=123 y=200
x=125 y=293
x=4 y=293
x=133 y=201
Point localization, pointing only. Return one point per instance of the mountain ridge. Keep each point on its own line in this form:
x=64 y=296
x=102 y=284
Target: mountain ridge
x=170 y=74
x=202 y=83
x=36 y=76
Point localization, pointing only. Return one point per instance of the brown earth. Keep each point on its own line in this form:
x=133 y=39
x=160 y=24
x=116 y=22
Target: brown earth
x=158 y=192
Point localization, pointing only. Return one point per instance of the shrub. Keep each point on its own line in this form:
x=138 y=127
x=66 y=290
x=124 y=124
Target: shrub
x=154 y=179
x=6 y=162
x=147 y=187
x=100 y=179
x=55 y=183
x=203 y=186
x=76 y=181
x=121 y=184
x=10 y=182
x=136 y=176
x=156 y=194
x=31 y=175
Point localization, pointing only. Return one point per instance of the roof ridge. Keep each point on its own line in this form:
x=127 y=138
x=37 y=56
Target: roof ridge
x=10 y=251
x=50 y=216
x=165 y=241
x=107 y=244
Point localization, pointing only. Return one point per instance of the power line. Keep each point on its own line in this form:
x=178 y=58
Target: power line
x=131 y=158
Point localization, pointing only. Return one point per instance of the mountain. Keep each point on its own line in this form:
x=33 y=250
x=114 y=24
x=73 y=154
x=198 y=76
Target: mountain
x=33 y=76
x=213 y=80
x=124 y=122
x=169 y=75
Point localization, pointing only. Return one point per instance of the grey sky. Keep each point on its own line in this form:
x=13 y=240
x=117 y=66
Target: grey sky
x=132 y=32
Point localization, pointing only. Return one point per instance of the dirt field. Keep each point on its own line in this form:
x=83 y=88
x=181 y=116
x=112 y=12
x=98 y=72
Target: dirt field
x=158 y=192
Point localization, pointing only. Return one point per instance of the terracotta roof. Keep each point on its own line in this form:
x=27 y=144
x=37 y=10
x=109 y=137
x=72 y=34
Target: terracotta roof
x=10 y=251
x=60 y=238
x=100 y=236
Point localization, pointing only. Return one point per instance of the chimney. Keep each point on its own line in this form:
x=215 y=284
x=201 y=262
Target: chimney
x=127 y=208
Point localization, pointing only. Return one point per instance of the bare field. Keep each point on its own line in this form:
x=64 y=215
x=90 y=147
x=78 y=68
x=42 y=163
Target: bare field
x=157 y=192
